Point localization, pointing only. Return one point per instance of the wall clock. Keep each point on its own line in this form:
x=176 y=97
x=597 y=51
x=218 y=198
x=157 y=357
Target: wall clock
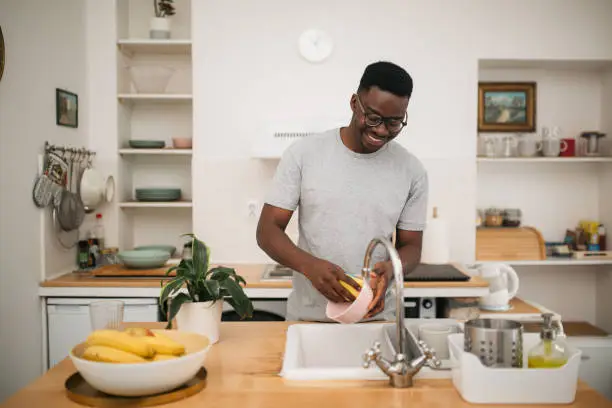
x=315 y=45
x=1 y=54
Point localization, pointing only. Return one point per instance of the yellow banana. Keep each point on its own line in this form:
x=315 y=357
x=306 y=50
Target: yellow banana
x=161 y=357
x=121 y=341
x=161 y=344
x=164 y=344
x=111 y=355
x=351 y=289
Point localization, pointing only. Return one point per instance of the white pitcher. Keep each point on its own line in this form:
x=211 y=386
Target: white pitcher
x=503 y=286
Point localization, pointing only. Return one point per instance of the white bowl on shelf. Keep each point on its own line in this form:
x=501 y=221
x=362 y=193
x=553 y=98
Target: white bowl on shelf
x=151 y=78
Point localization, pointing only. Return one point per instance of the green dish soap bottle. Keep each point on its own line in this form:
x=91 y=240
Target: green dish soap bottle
x=549 y=353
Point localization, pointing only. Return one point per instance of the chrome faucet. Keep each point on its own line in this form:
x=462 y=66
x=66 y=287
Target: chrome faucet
x=412 y=355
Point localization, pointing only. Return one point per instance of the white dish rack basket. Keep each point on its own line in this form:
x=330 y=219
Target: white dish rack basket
x=479 y=384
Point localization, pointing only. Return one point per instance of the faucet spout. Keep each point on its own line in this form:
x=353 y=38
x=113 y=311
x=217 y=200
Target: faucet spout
x=410 y=356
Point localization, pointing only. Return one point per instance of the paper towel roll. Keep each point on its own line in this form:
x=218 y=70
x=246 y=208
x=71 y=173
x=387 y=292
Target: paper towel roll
x=435 y=241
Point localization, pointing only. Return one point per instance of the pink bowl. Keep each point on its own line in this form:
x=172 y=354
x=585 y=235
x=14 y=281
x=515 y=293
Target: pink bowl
x=182 y=142
x=351 y=312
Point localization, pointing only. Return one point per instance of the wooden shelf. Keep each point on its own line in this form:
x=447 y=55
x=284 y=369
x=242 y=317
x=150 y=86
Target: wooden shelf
x=155 y=97
x=601 y=159
x=163 y=151
x=156 y=204
x=148 y=46
x=553 y=262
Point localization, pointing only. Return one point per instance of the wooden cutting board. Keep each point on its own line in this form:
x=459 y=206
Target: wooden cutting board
x=120 y=270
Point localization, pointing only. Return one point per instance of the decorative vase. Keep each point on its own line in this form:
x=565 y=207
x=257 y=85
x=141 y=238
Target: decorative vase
x=159 y=28
x=201 y=317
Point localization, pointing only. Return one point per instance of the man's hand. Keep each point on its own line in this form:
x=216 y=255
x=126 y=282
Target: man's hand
x=325 y=278
x=380 y=276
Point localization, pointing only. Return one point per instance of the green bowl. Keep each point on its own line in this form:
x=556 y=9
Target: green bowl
x=168 y=248
x=146 y=144
x=144 y=258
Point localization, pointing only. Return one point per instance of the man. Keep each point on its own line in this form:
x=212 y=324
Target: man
x=351 y=185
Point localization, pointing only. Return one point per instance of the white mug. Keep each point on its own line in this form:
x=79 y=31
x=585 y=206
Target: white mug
x=553 y=147
x=435 y=335
x=529 y=147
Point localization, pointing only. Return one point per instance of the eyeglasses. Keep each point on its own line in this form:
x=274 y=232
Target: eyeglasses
x=394 y=125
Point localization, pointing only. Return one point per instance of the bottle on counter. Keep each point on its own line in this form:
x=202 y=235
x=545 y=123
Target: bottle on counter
x=98 y=231
x=549 y=353
x=601 y=231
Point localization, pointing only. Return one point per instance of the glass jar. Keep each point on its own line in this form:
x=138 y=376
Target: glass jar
x=493 y=217
x=512 y=217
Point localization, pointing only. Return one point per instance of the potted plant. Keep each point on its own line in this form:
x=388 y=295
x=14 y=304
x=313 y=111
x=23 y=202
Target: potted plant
x=160 y=24
x=199 y=308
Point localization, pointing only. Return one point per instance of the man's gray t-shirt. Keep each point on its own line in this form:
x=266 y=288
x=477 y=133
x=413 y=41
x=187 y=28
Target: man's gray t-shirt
x=344 y=199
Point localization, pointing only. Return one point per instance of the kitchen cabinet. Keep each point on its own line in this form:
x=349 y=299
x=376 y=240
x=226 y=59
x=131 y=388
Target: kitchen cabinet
x=596 y=365
x=68 y=321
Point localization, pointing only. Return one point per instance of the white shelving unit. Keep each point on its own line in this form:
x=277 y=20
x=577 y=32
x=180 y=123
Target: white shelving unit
x=131 y=47
x=554 y=193
x=160 y=115
x=545 y=160
x=126 y=97
x=555 y=262
x=156 y=204
x=161 y=152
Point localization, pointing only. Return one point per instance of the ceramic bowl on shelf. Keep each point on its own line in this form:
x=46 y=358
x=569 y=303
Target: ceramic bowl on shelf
x=168 y=248
x=182 y=142
x=144 y=258
x=146 y=144
x=147 y=378
x=150 y=79
x=158 y=194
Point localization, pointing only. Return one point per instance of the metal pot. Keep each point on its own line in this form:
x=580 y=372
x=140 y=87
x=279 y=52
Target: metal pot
x=592 y=142
x=497 y=342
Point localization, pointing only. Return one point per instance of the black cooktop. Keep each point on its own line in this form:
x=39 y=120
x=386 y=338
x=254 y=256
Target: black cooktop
x=436 y=273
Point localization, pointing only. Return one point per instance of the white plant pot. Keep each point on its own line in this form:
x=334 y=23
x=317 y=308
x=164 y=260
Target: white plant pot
x=201 y=317
x=159 y=28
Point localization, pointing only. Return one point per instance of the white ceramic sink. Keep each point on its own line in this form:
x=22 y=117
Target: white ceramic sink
x=329 y=351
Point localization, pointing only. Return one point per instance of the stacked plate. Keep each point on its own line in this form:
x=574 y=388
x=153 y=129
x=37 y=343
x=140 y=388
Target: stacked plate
x=158 y=194
x=146 y=144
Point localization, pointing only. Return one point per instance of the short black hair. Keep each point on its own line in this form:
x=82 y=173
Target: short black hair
x=388 y=77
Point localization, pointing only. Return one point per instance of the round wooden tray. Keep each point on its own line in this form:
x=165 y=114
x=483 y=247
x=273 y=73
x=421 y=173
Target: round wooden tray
x=79 y=391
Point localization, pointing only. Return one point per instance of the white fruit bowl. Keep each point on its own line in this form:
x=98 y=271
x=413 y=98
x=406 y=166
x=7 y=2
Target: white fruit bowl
x=140 y=379
x=150 y=79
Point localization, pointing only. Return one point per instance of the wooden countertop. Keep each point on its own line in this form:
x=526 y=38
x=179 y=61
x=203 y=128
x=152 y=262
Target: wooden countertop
x=243 y=371
x=252 y=273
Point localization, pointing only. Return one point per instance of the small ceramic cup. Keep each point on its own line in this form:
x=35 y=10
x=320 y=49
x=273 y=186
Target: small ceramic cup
x=435 y=335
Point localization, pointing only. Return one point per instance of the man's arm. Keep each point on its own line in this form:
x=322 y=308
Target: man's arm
x=408 y=245
x=274 y=241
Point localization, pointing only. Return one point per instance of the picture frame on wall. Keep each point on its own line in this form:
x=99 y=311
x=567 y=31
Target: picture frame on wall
x=66 y=108
x=507 y=106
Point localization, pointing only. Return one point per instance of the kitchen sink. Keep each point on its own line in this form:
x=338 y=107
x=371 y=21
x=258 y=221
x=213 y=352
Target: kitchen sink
x=330 y=351
x=277 y=272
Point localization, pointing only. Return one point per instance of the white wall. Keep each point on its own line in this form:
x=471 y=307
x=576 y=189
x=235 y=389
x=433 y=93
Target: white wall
x=45 y=49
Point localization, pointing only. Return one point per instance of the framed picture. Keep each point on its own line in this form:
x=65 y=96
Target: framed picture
x=66 y=108
x=506 y=106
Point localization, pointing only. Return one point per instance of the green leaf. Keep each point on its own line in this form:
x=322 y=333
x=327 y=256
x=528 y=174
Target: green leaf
x=200 y=258
x=221 y=273
x=170 y=287
x=238 y=299
x=175 y=305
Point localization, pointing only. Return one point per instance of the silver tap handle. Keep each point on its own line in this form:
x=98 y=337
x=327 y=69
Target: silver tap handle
x=371 y=355
x=430 y=353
